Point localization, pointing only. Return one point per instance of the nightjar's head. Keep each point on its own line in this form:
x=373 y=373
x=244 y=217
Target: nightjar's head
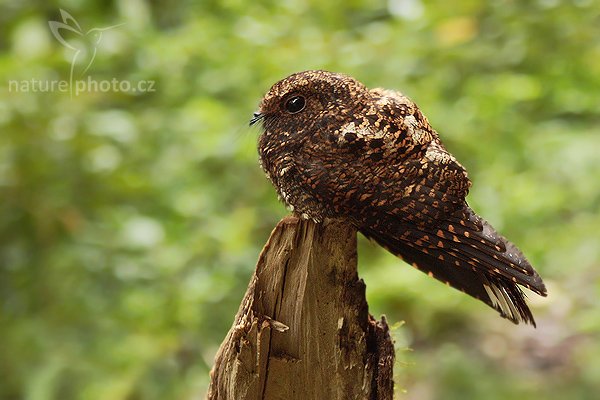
x=303 y=99
x=300 y=111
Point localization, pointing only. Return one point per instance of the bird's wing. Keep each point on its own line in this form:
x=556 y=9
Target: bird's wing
x=429 y=225
x=466 y=253
x=415 y=207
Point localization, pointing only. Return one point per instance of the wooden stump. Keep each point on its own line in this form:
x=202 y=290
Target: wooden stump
x=303 y=330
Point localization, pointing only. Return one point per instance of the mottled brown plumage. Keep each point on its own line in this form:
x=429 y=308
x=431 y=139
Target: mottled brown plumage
x=335 y=149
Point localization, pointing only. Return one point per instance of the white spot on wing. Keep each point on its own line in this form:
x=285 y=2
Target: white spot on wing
x=283 y=171
x=417 y=134
x=360 y=131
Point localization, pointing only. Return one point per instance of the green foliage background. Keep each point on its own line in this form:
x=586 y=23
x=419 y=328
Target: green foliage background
x=130 y=222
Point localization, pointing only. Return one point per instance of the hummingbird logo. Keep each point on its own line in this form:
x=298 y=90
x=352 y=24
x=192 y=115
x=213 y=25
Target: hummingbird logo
x=85 y=45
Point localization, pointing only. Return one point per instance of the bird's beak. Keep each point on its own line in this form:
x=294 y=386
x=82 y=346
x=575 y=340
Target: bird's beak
x=257 y=116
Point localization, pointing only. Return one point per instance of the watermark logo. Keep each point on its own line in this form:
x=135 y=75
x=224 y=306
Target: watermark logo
x=84 y=46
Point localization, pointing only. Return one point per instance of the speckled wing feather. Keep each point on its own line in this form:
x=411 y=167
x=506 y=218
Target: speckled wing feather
x=475 y=260
x=427 y=222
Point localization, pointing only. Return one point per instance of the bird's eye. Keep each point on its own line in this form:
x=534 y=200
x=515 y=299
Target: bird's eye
x=295 y=104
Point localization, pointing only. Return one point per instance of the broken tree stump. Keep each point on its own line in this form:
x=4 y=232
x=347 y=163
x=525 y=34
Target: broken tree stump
x=303 y=330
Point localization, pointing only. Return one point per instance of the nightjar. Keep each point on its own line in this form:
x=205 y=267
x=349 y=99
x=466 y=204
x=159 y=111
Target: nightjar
x=336 y=149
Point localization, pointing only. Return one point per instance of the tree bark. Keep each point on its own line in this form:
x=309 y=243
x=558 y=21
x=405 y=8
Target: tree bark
x=303 y=330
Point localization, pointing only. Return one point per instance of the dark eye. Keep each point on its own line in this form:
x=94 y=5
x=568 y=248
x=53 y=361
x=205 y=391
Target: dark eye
x=295 y=104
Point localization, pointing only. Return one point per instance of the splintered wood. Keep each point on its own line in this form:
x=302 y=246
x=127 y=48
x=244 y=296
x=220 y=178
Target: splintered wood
x=303 y=330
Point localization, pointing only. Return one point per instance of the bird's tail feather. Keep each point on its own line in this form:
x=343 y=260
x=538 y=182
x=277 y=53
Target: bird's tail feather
x=465 y=252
